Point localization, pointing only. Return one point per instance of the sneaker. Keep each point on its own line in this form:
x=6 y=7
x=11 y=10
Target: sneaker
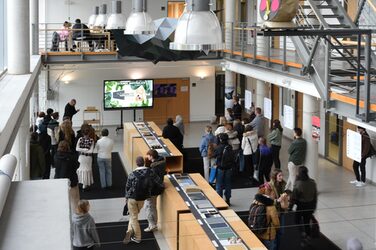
x=354 y=182
x=151 y=229
x=135 y=240
x=127 y=238
x=360 y=184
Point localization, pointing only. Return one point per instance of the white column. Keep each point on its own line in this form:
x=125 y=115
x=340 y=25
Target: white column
x=229 y=88
x=229 y=20
x=262 y=90
x=310 y=108
x=34 y=21
x=18 y=37
x=21 y=149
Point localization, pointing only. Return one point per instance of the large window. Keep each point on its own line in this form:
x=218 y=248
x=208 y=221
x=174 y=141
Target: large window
x=3 y=37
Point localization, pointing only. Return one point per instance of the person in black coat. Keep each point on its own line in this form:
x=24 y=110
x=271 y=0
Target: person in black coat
x=70 y=109
x=173 y=133
x=237 y=108
x=66 y=164
x=81 y=32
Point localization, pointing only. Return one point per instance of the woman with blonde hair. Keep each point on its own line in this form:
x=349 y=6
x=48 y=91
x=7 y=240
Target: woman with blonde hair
x=66 y=133
x=221 y=126
x=85 y=235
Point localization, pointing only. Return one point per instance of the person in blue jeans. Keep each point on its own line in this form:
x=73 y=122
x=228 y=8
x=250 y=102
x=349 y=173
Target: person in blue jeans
x=104 y=147
x=225 y=161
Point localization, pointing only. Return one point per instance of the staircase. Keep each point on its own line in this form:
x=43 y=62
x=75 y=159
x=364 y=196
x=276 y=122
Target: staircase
x=335 y=62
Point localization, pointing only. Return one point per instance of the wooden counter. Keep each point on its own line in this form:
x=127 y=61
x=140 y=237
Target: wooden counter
x=135 y=146
x=170 y=205
x=193 y=237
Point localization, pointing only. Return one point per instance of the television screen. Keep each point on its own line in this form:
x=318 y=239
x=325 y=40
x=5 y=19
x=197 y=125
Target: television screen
x=165 y=90
x=128 y=94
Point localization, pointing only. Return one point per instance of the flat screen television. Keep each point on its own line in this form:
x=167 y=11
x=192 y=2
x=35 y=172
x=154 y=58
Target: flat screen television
x=127 y=94
x=164 y=90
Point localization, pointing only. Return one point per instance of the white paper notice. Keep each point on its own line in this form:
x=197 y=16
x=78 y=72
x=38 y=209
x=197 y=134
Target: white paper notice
x=289 y=117
x=267 y=108
x=354 y=145
x=247 y=99
x=184 y=88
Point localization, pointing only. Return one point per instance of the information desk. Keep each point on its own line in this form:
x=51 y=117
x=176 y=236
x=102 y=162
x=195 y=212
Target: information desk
x=193 y=237
x=171 y=205
x=139 y=137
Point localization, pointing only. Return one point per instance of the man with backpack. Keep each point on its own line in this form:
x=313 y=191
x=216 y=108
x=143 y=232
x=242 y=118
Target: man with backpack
x=263 y=220
x=137 y=190
x=225 y=161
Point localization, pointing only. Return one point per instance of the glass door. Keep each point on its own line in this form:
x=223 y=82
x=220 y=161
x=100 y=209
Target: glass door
x=333 y=138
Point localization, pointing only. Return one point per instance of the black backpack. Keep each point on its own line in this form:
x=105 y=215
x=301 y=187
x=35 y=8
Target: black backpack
x=228 y=158
x=143 y=186
x=257 y=220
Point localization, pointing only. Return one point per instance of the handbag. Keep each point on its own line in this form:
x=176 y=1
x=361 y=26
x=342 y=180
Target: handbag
x=213 y=174
x=125 y=209
x=315 y=228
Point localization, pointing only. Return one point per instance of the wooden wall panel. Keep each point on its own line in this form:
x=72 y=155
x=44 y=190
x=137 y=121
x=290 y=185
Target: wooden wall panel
x=165 y=107
x=299 y=110
x=275 y=102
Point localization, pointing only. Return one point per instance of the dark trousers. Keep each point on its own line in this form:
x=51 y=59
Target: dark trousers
x=53 y=152
x=248 y=163
x=83 y=248
x=264 y=171
x=362 y=166
x=303 y=215
x=47 y=170
x=275 y=154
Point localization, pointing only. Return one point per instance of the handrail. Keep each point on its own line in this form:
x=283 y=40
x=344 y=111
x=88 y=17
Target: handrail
x=7 y=167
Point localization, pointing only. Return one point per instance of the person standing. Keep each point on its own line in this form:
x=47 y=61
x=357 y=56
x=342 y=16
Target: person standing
x=179 y=123
x=85 y=148
x=158 y=170
x=237 y=108
x=275 y=139
x=70 y=109
x=297 y=152
x=366 y=147
x=105 y=145
x=37 y=160
x=85 y=235
x=249 y=146
x=264 y=160
x=52 y=131
x=258 y=122
x=206 y=148
x=66 y=133
x=137 y=190
x=225 y=162
x=173 y=133
x=304 y=195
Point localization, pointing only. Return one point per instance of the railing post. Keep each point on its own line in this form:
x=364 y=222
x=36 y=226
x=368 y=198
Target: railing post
x=242 y=41
x=367 y=77
x=358 y=47
x=254 y=46
x=284 y=67
x=327 y=69
x=232 y=39
x=45 y=41
x=268 y=50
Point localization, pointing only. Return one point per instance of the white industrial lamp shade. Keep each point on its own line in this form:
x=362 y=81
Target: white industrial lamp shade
x=198 y=28
x=93 y=17
x=101 y=19
x=139 y=22
x=116 y=19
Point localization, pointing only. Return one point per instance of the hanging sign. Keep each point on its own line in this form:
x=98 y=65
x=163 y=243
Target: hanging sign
x=267 y=108
x=354 y=145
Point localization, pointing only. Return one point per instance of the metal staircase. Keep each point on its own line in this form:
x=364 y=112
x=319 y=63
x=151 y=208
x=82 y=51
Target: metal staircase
x=336 y=61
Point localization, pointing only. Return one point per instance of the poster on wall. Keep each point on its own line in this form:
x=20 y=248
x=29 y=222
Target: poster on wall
x=289 y=117
x=267 y=108
x=316 y=128
x=248 y=99
x=354 y=145
x=229 y=92
x=165 y=90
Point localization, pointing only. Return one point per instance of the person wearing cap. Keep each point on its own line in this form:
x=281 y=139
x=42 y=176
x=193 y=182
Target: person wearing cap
x=366 y=147
x=137 y=190
x=105 y=146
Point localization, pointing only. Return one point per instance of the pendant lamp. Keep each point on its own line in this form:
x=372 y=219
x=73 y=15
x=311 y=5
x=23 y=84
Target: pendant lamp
x=101 y=19
x=139 y=22
x=93 y=17
x=198 y=28
x=116 y=19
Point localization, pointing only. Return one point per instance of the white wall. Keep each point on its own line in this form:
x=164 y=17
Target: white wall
x=86 y=85
x=54 y=11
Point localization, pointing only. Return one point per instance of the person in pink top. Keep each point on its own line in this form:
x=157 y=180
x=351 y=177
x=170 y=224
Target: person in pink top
x=64 y=33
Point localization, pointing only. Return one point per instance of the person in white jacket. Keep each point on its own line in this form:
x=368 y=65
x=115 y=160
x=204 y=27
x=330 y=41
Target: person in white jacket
x=249 y=146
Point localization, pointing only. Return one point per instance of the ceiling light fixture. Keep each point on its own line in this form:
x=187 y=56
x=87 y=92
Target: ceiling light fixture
x=101 y=19
x=139 y=22
x=116 y=19
x=93 y=17
x=198 y=28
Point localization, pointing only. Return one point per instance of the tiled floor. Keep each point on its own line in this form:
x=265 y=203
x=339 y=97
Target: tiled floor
x=344 y=211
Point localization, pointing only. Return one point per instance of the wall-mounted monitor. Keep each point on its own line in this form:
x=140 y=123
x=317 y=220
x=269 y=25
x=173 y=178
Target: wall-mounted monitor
x=127 y=94
x=164 y=90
